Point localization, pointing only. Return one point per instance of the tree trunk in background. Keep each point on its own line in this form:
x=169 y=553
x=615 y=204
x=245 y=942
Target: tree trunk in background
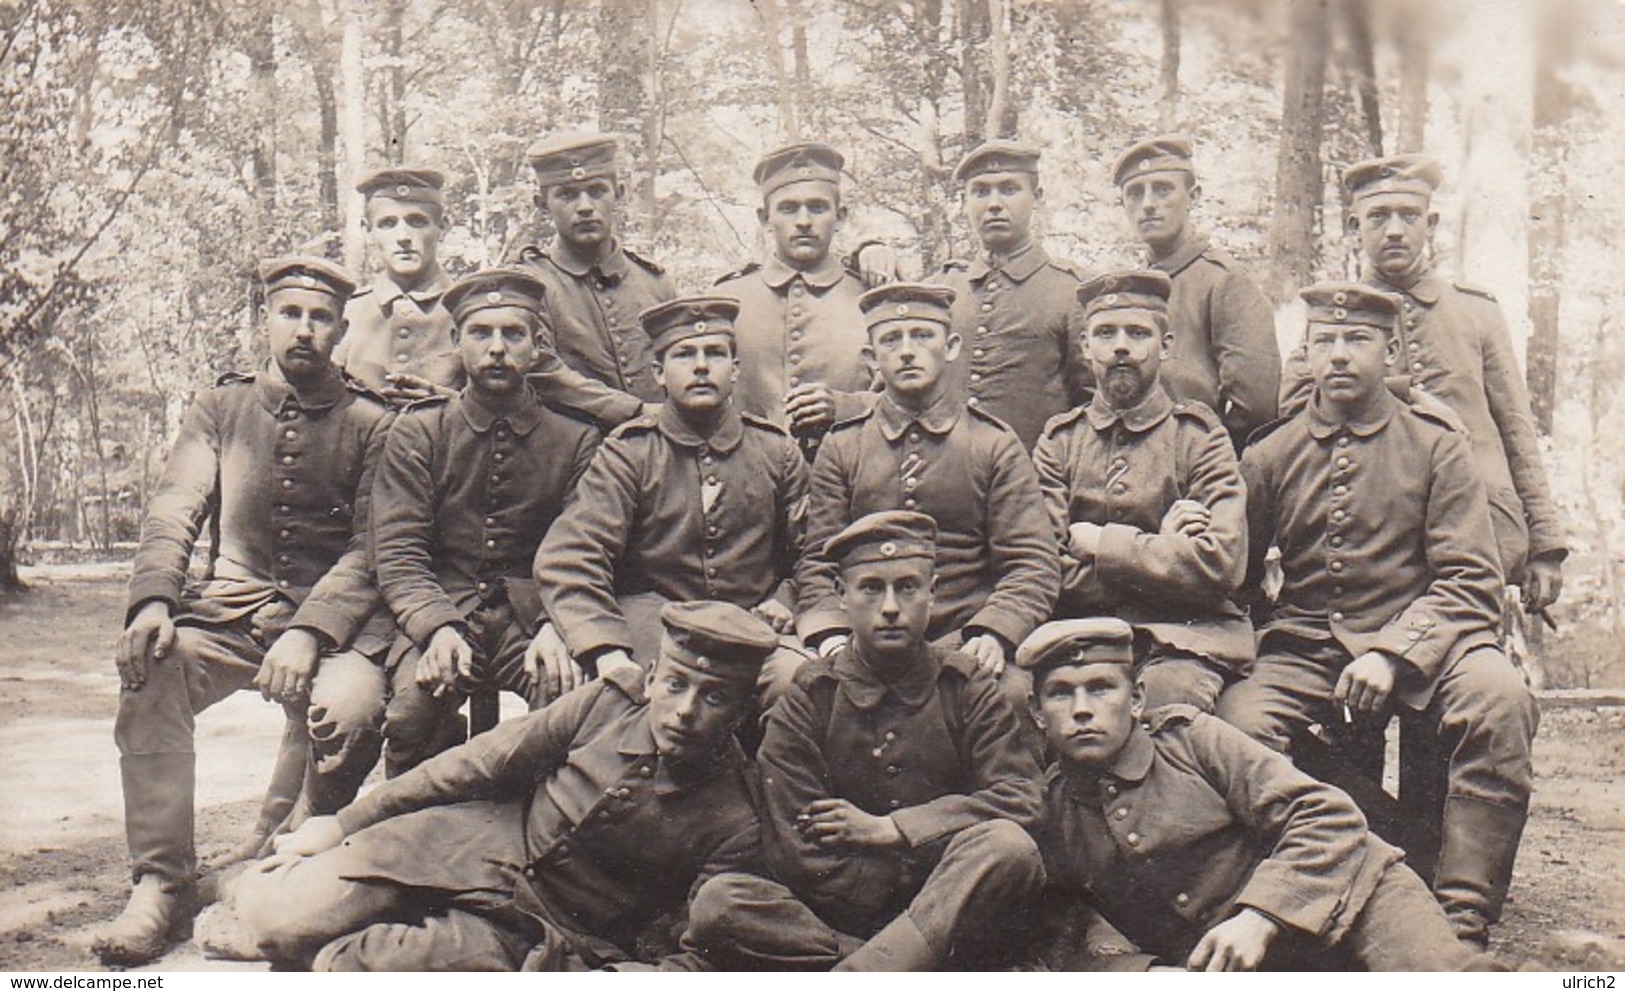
x=322 y=72
x=933 y=175
x=260 y=46
x=972 y=18
x=1168 y=75
x=392 y=112
x=10 y=533
x=353 y=122
x=1298 y=183
x=626 y=39
x=1003 y=117
x=1553 y=108
x=1414 y=58
x=769 y=15
x=1363 y=66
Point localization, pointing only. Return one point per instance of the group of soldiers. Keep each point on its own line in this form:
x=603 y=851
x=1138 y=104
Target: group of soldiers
x=864 y=624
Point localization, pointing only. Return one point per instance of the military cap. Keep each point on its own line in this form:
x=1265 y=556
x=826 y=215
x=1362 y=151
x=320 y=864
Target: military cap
x=883 y=536
x=1092 y=640
x=409 y=185
x=798 y=162
x=573 y=156
x=1146 y=289
x=1350 y=303
x=998 y=155
x=688 y=316
x=495 y=287
x=306 y=272
x=906 y=301
x=716 y=638
x=1416 y=174
x=1163 y=153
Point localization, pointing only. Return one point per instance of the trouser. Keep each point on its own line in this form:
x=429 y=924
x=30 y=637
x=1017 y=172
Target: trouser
x=965 y=913
x=417 y=724
x=154 y=730
x=1483 y=719
x=1169 y=676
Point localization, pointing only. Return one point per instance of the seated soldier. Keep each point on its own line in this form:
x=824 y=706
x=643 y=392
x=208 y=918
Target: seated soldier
x=922 y=448
x=282 y=461
x=467 y=487
x=695 y=501
x=549 y=842
x=1148 y=496
x=1208 y=850
x=1391 y=593
x=895 y=783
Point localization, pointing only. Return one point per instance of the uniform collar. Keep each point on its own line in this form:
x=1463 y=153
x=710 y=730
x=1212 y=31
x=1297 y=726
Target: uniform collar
x=1088 y=788
x=276 y=392
x=865 y=690
x=638 y=740
x=938 y=419
x=1134 y=762
x=1321 y=426
x=1150 y=411
x=1019 y=267
x=778 y=275
x=725 y=438
x=523 y=419
x=387 y=291
x=612 y=266
x=1182 y=256
x=1427 y=290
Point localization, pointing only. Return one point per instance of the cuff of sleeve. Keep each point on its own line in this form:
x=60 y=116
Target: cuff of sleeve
x=819 y=623
x=595 y=636
x=1116 y=549
x=1009 y=629
x=918 y=825
x=420 y=624
x=334 y=625
x=151 y=588
x=1277 y=891
x=1414 y=647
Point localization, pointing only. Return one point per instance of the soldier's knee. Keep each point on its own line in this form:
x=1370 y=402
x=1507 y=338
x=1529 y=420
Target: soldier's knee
x=1007 y=848
x=1179 y=681
x=1487 y=690
x=716 y=906
x=778 y=674
x=1247 y=712
x=347 y=696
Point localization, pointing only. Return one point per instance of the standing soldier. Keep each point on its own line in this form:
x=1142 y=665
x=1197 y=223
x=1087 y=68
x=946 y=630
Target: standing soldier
x=399 y=341
x=1149 y=496
x=799 y=330
x=280 y=462
x=922 y=448
x=596 y=287
x=895 y=783
x=1224 y=352
x=696 y=501
x=1015 y=307
x=1390 y=593
x=1455 y=346
x=467 y=487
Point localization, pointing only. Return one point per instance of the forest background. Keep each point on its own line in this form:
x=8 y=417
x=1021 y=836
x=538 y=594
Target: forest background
x=153 y=150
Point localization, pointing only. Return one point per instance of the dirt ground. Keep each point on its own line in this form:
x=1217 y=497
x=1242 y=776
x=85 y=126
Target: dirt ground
x=62 y=864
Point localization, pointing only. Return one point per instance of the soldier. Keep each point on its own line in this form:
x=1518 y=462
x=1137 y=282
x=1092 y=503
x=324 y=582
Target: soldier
x=1390 y=593
x=1224 y=352
x=1209 y=851
x=1015 y=307
x=799 y=330
x=895 y=784
x=280 y=462
x=596 y=287
x=549 y=842
x=467 y=487
x=1455 y=347
x=922 y=448
x=696 y=501
x=1148 y=495
x=399 y=341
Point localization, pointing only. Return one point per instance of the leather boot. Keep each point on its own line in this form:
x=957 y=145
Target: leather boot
x=158 y=790
x=900 y=946
x=281 y=795
x=1478 y=846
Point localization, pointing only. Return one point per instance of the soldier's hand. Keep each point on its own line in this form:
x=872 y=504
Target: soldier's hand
x=401 y=387
x=988 y=651
x=877 y=265
x=1542 y=584
x=146 y=640
x=1186 y=518
x=447 y=656
x=316 y=834
x=548 y=659
x=835 y=822
x=809 y=407
x=289 y=666
x=1366 y=683
x=1238 y=943
x=1083 y=539
x=775 y=614
x=617 y=659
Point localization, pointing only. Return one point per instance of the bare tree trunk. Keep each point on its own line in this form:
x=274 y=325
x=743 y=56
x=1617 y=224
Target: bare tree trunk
x=627 y=55
x=260 y=46
x=10 y=580
x=1553 y=107
x=1168 y=101
x=933 y=224
x=972 y=17
x=353 y=124
x=798 y=56
x=1003 y=118
x=1363 y=64
x=1414 y=58
x=769 y=14
x=393 y=112
x=1298 y=183
x=322 y=72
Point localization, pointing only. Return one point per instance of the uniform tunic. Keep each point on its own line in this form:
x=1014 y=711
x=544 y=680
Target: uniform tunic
x=1224 y=352
x=997 y=563
x=1455 y=346
x=1021 y=326
x=798 y=327
x=663 y=510
x=601 y=362
x=1122 y=471
x=395 y=331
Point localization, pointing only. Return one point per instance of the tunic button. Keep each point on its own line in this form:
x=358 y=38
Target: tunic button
x=795 y=359
x=1340 y=490
x=711 y=531
x=910 y=503
x=909 y=483
x=1342 y=462
x=891 y=734
x=1416 y=366
x=710 y=479
x=646 y=771
x=896 y=803
x=987 y=307
x=1337 y=566
x=499 y=457
x=1342 y=442
x=490 y=543
x=981 y=330
x=287 y=459
x=710 y=572
x=797 y=290
x=1415 y=347
x=284 y=509
x=291 y=434
x=284 y=559
x=1133 y=839
x=893 y=769
x=287 y=483
x=795 y=380
x=1337 y=617
x=405 y=332
x=973 y=401
x=1182 y=899
x=283 y=583
x=1121 y=813
x=708 y=460
x=482 y=587
x=1337 y=540
x=495 y=479
x=1339 y=515
x=1111 y=790
x=795 y=335
x=710 y=552
x=401 y=359
x=1119 y=488
x=290 y=414
x=796 y=311
x=284 y=534
x=977 y=353
x=914 y=438
x=490 y=521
